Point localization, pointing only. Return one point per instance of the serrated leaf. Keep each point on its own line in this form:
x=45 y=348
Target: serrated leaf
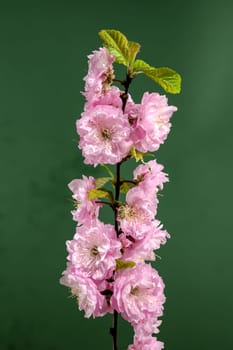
x=165 y=77
x=126 y=186
x=117 y=44
x=134 y=48
x=140 y=65
x=101 y=181
x=122 y=264
x=95 y=193
x=108 y=170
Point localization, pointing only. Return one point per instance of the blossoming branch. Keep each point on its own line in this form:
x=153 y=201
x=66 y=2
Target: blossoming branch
x=108 y=267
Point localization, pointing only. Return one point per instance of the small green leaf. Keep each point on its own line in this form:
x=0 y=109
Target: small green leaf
x=149 y=154
x=122 y=264
x=136 y=154
x=134 y=48
x=101 y=181
x=140 y=65
x=95 y=193
x=166 y=77
x=117 y=44
x=126 y=186
x=108 y=170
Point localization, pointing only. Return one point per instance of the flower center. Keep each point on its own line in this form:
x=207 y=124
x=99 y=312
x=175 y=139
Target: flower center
x=106 y=134
x=134 y=290
x=160 y=121
x=126 y=212
x=94 y=251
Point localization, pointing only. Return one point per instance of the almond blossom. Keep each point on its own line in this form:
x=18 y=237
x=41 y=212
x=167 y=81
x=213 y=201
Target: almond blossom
x=144 y=329
x=151 y=122
x=86 y=209
x=104 y=135
x=107 y=267
x=94 y=250
x=150 y=176
x=136 y=215
x=85 y=289
x=100 y=73
x=139 y=250
x=148 y=343
x=138 y=293
x=110 y=97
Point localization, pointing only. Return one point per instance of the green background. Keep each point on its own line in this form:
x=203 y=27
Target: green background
x=44 y=45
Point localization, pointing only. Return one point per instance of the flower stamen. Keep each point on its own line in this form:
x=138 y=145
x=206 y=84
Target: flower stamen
x=94 y=251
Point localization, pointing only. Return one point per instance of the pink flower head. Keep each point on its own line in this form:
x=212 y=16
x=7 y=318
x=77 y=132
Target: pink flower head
x=137 y=213
x=138 y=293
x=86 y=209
x=143 y=249
x=144 y=328
x=104 y=135
x=94 y=250
x=152 y=123
x=88 y=296
x=111 y=97
x=150 y=176
x=100 y=73
x=147 y=343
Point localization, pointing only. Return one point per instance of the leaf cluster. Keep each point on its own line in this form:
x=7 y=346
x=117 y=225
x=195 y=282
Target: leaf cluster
x=125 y=53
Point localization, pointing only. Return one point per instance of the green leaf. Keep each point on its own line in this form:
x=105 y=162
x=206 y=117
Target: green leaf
x=126 y=186
x=117 y=44
x=140 y=65
x=122 y=264
x=108 y=170
x=101 y=181
x=166 y=77
x=136 y=154
x=95 y=193
x=134 y=48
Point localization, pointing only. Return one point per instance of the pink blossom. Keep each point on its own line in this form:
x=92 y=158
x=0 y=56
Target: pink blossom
x=147 y=343
x=107 y=133
x=150 y=176
x=100 y=73
x=104 y=135
x=143 y=249
x=138 y=197
x=137 y=213
x=110 y=97
x=88 y=296
x=138 y=293
x=99 y=62
x=94 y=250
x=151 y=122
x=145 y=328
x=86 y=209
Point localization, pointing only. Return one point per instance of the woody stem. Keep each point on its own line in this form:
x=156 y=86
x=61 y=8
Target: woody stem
x=124 y=98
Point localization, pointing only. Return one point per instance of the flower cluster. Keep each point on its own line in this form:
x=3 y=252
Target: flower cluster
x=108 y=266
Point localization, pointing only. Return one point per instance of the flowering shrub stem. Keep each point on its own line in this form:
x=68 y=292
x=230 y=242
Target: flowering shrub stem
x=117 y=194
x=108 y=265
x=104 y=202
x=118 y=182
x=113 y=330
x=124 y=96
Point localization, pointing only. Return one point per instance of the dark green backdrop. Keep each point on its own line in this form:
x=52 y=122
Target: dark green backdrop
x=44 y=45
